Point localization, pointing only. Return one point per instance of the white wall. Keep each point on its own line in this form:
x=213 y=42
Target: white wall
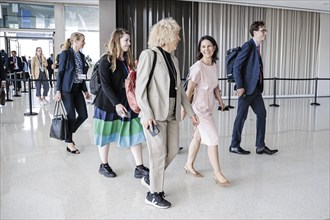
x=324 y=55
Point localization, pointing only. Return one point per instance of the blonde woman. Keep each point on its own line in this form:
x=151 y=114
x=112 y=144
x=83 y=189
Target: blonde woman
x=71 y=85
x=160 y=105
x=40 y=73
x=114 y=121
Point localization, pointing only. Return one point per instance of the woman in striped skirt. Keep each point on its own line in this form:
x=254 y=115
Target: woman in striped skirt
x=114 y=121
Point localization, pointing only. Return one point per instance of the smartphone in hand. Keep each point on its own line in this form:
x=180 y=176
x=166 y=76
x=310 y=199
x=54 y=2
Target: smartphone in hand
x=154 y=130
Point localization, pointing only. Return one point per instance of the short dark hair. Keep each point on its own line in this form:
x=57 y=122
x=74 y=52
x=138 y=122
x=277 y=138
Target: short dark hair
x=255 y=26
x=215 y=54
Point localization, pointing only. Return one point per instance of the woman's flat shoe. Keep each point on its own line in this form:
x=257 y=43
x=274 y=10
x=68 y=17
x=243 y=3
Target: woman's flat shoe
x=226 y=183
x=194 y=173
x=76 y=151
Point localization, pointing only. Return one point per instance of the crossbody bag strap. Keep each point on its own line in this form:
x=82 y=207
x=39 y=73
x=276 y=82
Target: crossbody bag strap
x=153 y=68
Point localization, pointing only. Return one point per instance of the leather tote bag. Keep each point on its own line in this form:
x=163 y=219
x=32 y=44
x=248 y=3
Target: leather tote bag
x=59 y=126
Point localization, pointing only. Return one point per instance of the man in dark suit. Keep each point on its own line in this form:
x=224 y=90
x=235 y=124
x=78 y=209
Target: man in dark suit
x=248 y=74
x=15 y=65
x=50 y=69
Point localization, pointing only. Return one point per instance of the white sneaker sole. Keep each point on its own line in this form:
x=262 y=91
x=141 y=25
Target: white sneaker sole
x=155 y=205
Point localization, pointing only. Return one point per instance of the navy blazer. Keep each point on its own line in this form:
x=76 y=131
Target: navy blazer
x=247 y=67
x=66 y=71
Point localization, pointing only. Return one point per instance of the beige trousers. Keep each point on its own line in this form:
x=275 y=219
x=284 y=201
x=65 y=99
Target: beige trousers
x=162 y=148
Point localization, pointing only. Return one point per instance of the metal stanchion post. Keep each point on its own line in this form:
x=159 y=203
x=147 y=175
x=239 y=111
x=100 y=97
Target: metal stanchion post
x=315 y=94
x=24 y=82
x=274 y=99
x=30 y=102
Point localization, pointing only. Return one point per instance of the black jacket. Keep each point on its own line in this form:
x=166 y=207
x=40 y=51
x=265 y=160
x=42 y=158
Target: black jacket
x=12 y=66
x=112 y=90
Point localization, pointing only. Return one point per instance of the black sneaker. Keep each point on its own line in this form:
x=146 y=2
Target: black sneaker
x=106 y=171
x=145 y=181
x=157 y=200
x=140 y=172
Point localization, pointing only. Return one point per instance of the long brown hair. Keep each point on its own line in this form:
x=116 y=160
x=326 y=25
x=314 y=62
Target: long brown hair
x=114 y=49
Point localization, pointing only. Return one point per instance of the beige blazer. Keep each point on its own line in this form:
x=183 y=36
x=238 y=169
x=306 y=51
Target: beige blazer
x=154 y=101
x=35 y=67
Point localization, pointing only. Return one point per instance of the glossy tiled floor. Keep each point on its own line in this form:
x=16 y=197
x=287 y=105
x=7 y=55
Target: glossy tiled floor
x=40 y=180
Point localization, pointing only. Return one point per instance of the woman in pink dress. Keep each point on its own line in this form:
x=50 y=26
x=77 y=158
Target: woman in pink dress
x=203 y=90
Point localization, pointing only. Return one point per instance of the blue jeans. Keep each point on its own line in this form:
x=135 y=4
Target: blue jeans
x=42 y=80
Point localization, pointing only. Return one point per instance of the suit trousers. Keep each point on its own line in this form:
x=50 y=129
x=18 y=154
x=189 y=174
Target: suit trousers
x=256 y=102
x=74 y=101
x=162 y=148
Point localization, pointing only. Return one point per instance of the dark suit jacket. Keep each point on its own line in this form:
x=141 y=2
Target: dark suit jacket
x=49 y=66
x=247 y=67
x=2 y=70
x=66 y=71
x=12 y=66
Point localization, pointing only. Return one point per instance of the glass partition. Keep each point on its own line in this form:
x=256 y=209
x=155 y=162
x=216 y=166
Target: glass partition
x=84 y=19
x=26 y=16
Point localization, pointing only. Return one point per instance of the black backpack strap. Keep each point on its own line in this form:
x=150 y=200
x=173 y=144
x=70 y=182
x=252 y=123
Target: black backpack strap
x=153 y=68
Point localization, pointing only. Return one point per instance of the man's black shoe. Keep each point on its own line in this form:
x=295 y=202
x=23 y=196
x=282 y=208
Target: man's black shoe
x=265 y=150
x=106 y=171
x=140 y=172
x=238 y=150
x=157 y=200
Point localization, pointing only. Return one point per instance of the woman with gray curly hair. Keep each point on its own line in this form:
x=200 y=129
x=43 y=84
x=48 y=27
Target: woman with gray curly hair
x=160 y=96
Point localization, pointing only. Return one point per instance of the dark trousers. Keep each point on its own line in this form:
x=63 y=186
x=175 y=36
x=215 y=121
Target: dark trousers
x=50 y=73
x=74 y=101
x=256 y=102
x=17 y=84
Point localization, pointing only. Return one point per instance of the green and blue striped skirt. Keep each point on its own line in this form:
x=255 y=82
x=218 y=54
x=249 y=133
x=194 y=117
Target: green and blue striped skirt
x=109 y=127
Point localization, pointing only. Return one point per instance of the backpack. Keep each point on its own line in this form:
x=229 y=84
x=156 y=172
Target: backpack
x=231 y=55
x=130 y=85
x=95 y=82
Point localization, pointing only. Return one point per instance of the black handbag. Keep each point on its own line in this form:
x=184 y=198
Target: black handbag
x=59 y=126
x=2 y=96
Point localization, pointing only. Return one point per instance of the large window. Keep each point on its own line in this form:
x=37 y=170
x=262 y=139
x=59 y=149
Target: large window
x=26 y=16
x=84 y=19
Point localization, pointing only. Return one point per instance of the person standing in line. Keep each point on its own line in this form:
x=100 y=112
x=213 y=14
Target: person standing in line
x=3 y=74
x=160 y=104
x=248 y=75
x=203 y=83
x=4 y=56
x=15 y=65
x=26 y=68
x=50 y=69
x=114 y=121
x=71 y=85
x=56 y=63
x=40 y=73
